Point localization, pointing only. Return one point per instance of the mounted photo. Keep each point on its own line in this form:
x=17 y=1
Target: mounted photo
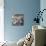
x=18 y=20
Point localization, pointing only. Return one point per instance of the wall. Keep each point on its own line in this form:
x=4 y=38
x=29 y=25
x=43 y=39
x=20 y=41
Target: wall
x=1 y=20
x=11 y=7
x=43 y=6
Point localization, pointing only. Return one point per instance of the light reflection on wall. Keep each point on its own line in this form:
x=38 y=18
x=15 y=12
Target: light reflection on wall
x=1 y=21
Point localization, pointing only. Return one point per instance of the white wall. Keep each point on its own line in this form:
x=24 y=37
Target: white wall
x=1 y=21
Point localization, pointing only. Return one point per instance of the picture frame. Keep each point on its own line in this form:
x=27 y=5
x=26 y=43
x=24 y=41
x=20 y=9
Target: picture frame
x=18 y=20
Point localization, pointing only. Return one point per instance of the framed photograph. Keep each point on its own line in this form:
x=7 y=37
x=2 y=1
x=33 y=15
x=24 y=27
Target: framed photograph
x=18 y=20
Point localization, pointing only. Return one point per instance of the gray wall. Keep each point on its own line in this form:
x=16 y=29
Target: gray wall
x=28 y=8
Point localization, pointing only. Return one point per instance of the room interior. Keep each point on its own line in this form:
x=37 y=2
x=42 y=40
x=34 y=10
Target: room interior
x=19 y=35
